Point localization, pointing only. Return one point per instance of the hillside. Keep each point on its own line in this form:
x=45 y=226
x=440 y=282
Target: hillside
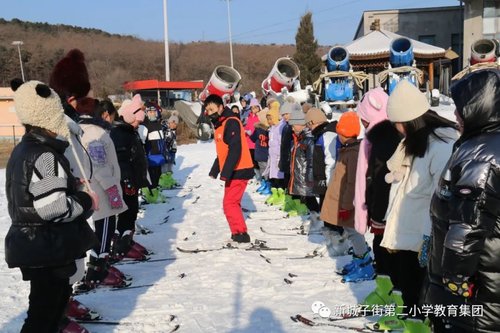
x=113 y=59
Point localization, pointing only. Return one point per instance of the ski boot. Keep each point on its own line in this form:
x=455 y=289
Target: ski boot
x=149 y=195
x=263 y=184
x=97 y=273
x=160 y=198
x=78 y=311
x=273 y=197
x=241 y=237
x=338 y=245
x=139 y=248
x=118 y=273
x=124 y=248
x=267 y=190
x=356 y=261
x=413 y=325
x=300 y=208
x=360 y=273
x=280 y=200
x=70 y=326
x=393 y=322
x=167 y=181
x=382 y=294
x=288 y=204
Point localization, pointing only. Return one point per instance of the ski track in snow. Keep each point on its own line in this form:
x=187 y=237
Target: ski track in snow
x=230 y=291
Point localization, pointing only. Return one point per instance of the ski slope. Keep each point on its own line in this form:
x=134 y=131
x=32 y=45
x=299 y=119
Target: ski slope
x=230 y=291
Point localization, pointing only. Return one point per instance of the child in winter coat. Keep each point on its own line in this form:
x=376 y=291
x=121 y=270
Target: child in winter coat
x=170 y=133
x=338 y=208
x=261 y=138
x=233 y=162
x=414 y=172
x=154 y=143
x=286 y=140
x=133 y=169
x=324 y=158
x=372 y=191
x=301 y=168
x=105 y=182
x=47 y=205
x=250 y=128
x=275 y=175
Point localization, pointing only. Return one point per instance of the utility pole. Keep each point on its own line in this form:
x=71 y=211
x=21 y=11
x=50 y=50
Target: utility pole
x=18 y=43
x=167 y=56
x=230 y=38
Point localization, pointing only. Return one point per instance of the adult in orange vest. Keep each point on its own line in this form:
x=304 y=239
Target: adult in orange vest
x=233 y=162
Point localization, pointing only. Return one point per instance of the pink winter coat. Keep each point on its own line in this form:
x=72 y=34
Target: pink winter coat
x=250 y=128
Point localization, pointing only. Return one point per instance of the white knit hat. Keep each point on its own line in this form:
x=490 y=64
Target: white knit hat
x=38 y=105
x=406 y=103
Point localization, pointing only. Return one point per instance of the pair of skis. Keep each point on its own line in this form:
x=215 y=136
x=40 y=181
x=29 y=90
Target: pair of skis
x=169 y=319
x=257 y=246
x=369 y=327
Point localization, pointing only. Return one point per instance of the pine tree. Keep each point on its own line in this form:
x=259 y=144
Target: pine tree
x=305 y=55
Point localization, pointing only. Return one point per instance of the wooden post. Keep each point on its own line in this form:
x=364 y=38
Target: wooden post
x=431 y=75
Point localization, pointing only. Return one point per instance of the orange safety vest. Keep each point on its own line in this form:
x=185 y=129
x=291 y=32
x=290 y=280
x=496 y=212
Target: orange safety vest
x=245 y=161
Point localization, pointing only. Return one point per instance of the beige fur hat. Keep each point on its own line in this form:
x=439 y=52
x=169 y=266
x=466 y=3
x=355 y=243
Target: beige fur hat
x=406 y=103
x=38 y=105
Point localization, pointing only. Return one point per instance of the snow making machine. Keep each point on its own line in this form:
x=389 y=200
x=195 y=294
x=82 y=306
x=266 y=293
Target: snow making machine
x=283 y=81
x=401 y=66
x=485 y=53
x=339 y=87
x=223 y=82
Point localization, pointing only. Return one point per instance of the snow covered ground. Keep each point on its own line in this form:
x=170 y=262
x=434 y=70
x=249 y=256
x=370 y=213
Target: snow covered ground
x=230 y=291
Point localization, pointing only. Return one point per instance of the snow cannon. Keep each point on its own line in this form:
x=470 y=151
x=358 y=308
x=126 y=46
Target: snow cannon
x=337 y=59
x=223 y=82
x=283 y=75
x=401 y=55
x=401 y=52
x=484 y=50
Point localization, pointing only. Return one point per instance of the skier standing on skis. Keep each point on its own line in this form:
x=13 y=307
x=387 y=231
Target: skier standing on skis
x=133 y=170
x=338 y=208
x=324 y=158
x=261 y=138
x=233 y=162
x=249 y=129
x=301 y=162
x=464 y=263
x=286 y=140
x=372 y=191
x=414 y=172
x=105 y=182
x=154 y=143
x=47 y=206
x=276 y=127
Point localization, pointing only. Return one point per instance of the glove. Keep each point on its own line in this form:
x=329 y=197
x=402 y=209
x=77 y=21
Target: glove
x=459 y=285
x=376 y=228
x=423 y=254
x=95 y=199
x=115 y=200
x=344 y=214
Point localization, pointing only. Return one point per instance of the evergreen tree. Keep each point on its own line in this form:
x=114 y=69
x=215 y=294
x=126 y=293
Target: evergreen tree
x=305 y=55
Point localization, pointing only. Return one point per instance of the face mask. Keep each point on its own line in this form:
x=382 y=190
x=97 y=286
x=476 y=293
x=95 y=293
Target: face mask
x=214 y=117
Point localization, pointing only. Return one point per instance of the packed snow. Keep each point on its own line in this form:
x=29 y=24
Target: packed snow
x=231 y=291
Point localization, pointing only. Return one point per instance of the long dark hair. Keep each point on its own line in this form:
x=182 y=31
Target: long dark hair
x=418 y=132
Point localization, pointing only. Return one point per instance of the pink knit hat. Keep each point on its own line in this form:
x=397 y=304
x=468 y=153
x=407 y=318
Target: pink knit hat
x=373 y=106
x=132 y=109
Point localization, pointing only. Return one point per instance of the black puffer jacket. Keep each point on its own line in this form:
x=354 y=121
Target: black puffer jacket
x=465 y=209
x=54 y=232
x=384 y=139
x=130 y=153
x=301 y=164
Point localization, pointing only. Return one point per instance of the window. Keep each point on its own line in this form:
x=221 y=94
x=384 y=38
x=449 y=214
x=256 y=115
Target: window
x=491 y=8
x=428 y=39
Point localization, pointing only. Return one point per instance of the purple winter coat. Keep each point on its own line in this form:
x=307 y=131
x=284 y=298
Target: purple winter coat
x=275 y=151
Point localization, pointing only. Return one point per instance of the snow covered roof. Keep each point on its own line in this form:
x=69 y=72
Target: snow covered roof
x=376 y=44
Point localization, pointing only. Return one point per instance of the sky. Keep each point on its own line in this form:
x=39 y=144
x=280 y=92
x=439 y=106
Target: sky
x=252 y=21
